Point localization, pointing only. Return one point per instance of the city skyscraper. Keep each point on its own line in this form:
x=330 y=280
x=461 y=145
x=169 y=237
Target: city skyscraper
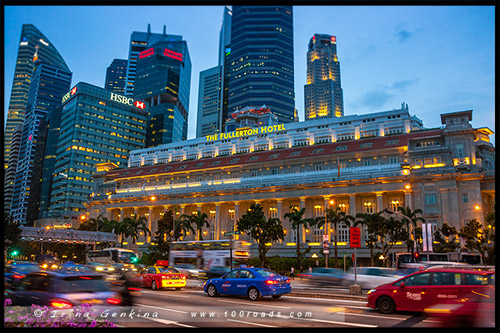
x=261 y=60
x=116 y=75
x=33 y=45
x=10 y=173
x=139 y=41
x=209 y=102
x=48 y=84
x=323 y=96
x=163 y=81
x=212 y=110
x=97 y=126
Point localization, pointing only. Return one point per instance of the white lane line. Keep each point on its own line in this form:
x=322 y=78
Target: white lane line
x=246 y=322
x=169 y=295
x=163 y=309
x=170 y=322
x=332 y=322
x=326 y=299
x=256 y=304
x=370 y=316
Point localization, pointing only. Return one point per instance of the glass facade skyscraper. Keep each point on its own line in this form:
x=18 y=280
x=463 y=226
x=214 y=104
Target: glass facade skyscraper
x=116 y=75
x=163 y=81
x=209 y=102
x=97 y=126
x=33 y=45
x=323 y=96
x=261 y=60
x=48 y=84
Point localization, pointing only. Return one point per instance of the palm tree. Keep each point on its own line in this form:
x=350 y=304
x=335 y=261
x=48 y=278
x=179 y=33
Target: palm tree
x=105 y=225
x=336 y=217
x=412 y=215
x=181 y=226
x=199 y=219
x=372 y=222
x=134 y=225
x=295 y=217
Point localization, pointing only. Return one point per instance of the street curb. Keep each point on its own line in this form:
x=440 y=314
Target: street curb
x=308 y=294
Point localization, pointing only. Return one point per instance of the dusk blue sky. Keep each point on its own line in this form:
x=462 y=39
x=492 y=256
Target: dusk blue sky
x=437 y=59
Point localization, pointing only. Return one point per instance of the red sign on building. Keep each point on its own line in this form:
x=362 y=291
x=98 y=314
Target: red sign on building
x=355 y=237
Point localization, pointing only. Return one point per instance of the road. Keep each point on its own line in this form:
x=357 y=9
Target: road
x=193 y=308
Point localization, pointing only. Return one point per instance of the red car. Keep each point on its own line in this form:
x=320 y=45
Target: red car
x=435 y=291
x=158 y=277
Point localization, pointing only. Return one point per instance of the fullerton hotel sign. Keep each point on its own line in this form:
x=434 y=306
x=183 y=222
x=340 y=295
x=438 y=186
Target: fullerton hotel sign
x=246 y=132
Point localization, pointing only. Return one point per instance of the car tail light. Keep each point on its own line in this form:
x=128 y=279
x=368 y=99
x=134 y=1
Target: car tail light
x=17 y=276
x=134 y=289
x=287 y=281
x=163 y=277
x=183 y=277
x=114 y=301
x=271 y=282
x=61 y=304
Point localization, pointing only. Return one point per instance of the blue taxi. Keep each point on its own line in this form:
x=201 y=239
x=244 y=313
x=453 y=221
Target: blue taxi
x=251 y=282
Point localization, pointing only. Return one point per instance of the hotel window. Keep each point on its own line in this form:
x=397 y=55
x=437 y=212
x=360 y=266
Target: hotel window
x=273 y=156
x=212 y=215
x=430 y=199
x=231 y=213
x=437 y=159
x=465 y=197
x=253 y=158
x=317 y=234
x=274 y=171
x=368 y=207
x=341 y=148
x=212 y=231
x=459 y=149
x=273 y=212
x=343 y=233
x=295 y=153
x=418 y=161
x=393 y=160
x=344 y=207
x=428 y=160
x=368 y=162
x=318 y=210
x=318 y=167
x=215 y=162
x=395 y=203
x=317 y=151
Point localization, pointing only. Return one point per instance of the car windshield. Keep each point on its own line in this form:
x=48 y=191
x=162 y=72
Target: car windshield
x=83 y=284
x=185 y=265
x=168 y=270
x=25 y=268
x=267 y=272
x=126 y=257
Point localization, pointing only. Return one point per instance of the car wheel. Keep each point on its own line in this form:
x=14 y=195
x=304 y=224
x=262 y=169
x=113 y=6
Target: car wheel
x=178 y=288
x=211 y=290
x=253 y=294
x=386 y=305
x=276 y=296
x=154 y=286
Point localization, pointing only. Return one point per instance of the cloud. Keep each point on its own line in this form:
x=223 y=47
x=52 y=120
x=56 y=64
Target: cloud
x=403 y=84
x=402 y=35
x=379 y=96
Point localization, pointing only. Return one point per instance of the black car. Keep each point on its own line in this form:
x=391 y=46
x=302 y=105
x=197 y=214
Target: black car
x=18 y=271
x=215 y=272
x=62 y=289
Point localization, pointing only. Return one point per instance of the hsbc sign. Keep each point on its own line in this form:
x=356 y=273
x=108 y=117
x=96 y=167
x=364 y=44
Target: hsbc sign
x=126 y=100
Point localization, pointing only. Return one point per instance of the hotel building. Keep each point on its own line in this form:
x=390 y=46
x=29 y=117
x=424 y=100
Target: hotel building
x=364 y=163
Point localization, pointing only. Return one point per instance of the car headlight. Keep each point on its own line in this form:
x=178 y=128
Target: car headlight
x=371 y=291
x=99 y=268
x=111 y=269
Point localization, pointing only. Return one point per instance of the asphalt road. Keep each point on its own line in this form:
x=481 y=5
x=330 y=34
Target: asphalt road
x=193 y=308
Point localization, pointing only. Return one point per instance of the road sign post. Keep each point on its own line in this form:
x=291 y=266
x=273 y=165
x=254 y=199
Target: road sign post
x=355 y=242
x=326 y=249
x=230 y=234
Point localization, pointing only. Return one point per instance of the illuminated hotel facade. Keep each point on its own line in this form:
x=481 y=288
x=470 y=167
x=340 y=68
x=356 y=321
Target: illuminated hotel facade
x=363 y=163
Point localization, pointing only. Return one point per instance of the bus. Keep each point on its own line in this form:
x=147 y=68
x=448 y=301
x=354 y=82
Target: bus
x=112 y=256
x=404 y=260
x=204 y=254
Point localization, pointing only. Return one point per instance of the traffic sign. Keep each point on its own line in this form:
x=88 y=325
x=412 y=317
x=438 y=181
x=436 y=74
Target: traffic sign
x=355 y=237
x=229 y=233
x=326 y=251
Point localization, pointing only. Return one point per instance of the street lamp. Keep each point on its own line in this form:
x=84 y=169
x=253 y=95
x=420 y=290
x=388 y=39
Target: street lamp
x=327 y=228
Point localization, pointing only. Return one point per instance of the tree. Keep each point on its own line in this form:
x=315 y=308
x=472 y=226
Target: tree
x=371 y=221
x=412 y=215
x=476 y=238
x=336 y=217
x=444 y=238
x=263 y=231
x=200 y=220
x=296 y=219
x=12 y=232
x=132 y=227
x=389 y=231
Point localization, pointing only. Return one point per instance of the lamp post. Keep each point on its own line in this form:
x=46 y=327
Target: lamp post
x=326 y=247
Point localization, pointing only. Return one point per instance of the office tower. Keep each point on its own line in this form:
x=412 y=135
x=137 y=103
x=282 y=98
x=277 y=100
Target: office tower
x=139 y=41
x=163 y=81
x=48 y=84
x=209 y=102
x=33 y=45
x=261 y=60
x=116 y=75
x=323 y=96
x=10 y=173
x=97 y=126
x=212 y=110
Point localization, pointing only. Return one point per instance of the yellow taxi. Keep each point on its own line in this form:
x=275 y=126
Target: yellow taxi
x=158 y=277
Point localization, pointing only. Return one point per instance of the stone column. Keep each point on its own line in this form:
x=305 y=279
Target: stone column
x=121 y=215
x=408 y=200
x=380 y=203
x=302 y=229
x=150 y=223
x=279 y=211
x=217 y=221
x=352 y=204
x=108 y=213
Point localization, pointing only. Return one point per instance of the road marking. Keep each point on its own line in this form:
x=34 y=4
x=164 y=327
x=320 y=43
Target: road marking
x=246 y=322
x=170 y=322
x=326 y=299
x=333 y=322
x=256 y=304
x=152 y=292
x=163 y=309
x=370 y=316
